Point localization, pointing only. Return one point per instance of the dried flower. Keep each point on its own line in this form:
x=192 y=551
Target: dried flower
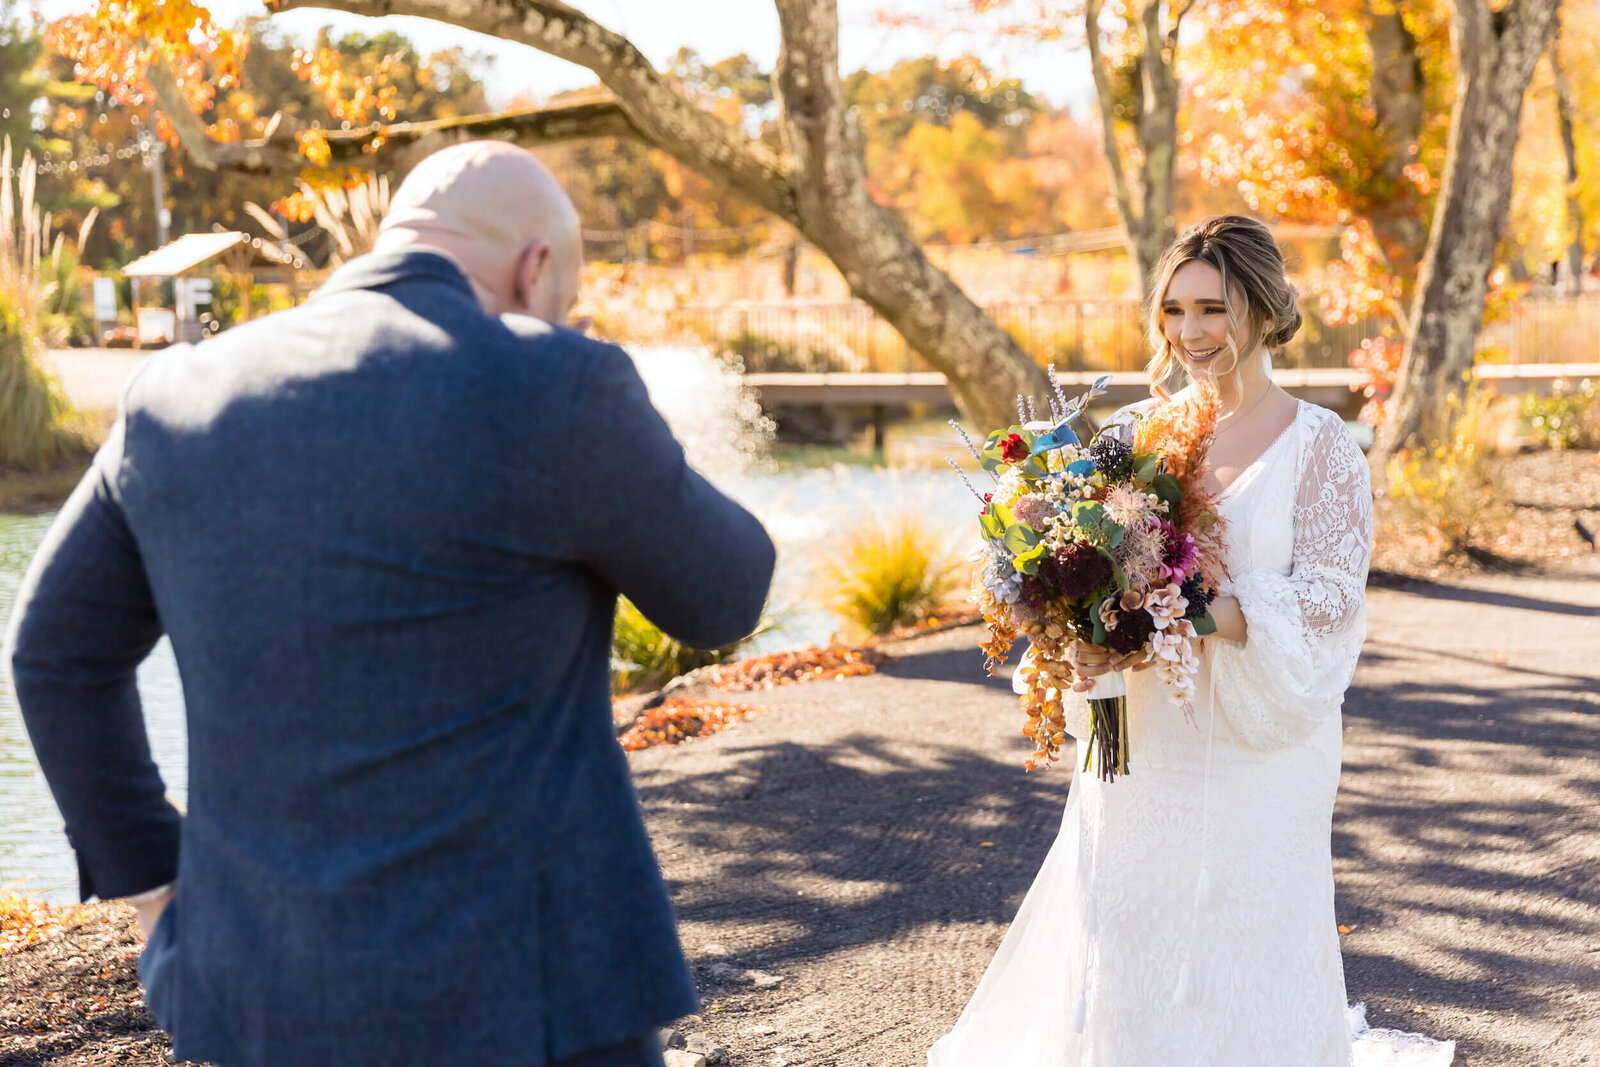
x=1034 y=510
x=1013 y=449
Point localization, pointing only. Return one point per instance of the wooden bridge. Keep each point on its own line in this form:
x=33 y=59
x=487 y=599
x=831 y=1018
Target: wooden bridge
x=852 y=395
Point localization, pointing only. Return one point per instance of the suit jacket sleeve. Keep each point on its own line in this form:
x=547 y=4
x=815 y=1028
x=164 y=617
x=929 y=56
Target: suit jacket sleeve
x=694 y=562
x=83 y=622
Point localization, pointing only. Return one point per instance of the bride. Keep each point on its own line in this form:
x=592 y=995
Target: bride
x=1184 y=916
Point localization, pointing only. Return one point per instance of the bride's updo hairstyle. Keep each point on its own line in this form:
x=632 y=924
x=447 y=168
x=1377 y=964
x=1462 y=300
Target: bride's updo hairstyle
x=1263 y=305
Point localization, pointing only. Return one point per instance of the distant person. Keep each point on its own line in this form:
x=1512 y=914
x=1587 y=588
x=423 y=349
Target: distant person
x=385 y=532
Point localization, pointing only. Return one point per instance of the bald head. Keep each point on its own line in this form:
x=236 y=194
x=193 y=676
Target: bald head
x=503 y=217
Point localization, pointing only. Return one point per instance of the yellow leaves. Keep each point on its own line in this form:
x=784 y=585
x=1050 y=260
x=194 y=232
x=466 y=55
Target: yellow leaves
x=296 y=207
x=118 y=41
x=314 y=146
x=350 y=97
x=24 y=921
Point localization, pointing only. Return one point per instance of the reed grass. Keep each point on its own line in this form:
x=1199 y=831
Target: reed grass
x=38 y=428
x=645 y=658
x=1449 y=486
x=885 y=575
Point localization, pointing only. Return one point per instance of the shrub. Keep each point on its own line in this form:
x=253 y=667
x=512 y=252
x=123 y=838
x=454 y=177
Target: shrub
x=1568 y=417
x=1448 y=485
x=37 y=427
x=885 y=575
x=644 y=658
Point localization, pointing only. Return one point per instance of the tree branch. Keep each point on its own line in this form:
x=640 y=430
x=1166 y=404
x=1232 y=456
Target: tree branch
x=379 y=145
x=660 y=114
x=1108 y=115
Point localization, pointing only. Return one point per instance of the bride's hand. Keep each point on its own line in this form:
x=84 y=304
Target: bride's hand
x=1091 y=661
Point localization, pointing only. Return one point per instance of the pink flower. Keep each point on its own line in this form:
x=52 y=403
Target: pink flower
x=1180 y=557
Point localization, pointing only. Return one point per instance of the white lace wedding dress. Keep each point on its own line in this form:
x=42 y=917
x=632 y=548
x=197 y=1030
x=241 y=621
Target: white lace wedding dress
x=1184 y=916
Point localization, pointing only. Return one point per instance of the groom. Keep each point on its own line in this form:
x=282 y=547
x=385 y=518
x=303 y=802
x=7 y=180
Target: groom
x=385 y=533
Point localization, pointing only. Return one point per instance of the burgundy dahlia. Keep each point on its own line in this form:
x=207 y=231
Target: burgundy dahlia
x=1133 y=630
x=1075 y=570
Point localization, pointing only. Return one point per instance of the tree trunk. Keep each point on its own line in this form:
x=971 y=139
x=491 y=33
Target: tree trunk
x=1398 y=111
x=816 y=183
x=1566 y=109
x=1496 y=52
x=1147 y=222
x=882 y=265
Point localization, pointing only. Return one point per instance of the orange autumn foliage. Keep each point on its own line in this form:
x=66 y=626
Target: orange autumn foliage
x=677 y=720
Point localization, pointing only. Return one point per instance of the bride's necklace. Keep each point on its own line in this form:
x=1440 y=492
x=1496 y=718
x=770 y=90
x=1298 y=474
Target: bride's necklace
x=1233 y=418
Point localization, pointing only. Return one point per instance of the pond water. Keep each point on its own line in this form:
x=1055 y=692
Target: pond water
x=806 y=496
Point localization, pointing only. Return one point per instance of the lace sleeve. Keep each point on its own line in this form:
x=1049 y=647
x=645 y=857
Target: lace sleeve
x=1305 y=628
x=1333 y=532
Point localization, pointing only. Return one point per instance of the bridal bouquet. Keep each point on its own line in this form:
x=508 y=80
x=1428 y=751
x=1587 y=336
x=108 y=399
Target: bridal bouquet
x=1110 y=544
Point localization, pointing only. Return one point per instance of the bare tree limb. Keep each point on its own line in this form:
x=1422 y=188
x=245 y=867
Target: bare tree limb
x=661 y=114
x=1108 y=112
x=380 y=145
x=883 y=266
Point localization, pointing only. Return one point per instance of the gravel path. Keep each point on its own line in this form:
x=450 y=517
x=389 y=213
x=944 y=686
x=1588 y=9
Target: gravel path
x=845 y=863
x=867 y=840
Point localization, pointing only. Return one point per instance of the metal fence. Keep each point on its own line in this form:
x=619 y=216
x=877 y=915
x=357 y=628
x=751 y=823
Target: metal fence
x=1072 y=334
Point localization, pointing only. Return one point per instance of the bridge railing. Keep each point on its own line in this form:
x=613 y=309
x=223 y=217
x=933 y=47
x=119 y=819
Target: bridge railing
x=1075 y=335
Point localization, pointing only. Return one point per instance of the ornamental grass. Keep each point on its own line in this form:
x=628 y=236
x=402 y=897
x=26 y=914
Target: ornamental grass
x=1448 y=485
x=38 y=428
x=887 y=575
x=644 y=658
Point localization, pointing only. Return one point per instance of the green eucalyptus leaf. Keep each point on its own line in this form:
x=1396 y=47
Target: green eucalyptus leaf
x=1146 y=468
x=1019 y=538
x=1003 y=513
x=1028 y=562
x=993 y=528
x=1167 y=488
x=1112 y=532
x=1205 y=625
x=1088 y=514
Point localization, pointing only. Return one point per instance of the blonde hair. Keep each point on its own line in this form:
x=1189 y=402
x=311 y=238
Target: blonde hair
x=1251 y=266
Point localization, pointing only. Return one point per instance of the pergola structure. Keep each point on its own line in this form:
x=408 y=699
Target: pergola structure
x=242 y=259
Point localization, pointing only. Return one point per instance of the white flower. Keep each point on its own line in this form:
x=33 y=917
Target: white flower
x=1166 y=605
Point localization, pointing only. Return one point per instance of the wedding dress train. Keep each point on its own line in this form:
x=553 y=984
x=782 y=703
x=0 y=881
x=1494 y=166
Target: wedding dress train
x=1184 y=916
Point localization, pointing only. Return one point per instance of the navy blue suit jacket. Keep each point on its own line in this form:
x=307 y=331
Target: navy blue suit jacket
x=384 y=532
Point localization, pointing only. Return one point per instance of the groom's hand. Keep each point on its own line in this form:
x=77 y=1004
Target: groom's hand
x=149 y=908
